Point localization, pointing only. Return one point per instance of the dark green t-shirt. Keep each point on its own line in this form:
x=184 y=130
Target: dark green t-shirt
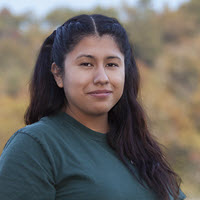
x=59 y=158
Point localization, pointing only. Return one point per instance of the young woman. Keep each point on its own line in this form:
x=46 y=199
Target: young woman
x=86 y=136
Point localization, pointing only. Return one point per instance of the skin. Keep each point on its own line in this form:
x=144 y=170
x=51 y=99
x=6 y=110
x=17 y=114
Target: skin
x=95 y=63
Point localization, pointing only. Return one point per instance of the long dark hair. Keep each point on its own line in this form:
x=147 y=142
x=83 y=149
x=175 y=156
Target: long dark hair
x=129 y=135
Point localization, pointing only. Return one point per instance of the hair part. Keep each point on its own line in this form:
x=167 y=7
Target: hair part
x=129 y=135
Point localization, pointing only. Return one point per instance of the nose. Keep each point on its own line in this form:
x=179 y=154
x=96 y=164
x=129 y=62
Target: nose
x=100 y=76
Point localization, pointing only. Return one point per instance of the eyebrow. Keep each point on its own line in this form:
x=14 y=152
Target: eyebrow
x=93 y=57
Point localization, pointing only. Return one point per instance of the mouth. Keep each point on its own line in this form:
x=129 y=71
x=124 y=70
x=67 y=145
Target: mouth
x=100 y=93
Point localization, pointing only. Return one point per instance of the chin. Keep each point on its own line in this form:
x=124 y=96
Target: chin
x=100 y=111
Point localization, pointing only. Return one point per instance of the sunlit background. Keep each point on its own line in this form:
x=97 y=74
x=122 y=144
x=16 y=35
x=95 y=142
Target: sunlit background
x=166 y=41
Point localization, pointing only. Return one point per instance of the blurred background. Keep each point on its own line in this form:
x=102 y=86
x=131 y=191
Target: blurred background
x=166 y=41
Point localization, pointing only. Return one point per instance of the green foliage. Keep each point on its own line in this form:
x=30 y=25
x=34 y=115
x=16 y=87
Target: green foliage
x=60 y=15
x=143 y=28
x=110 y=12
x=175 y=26
x=180 y=65
x=8 y=21
x=191 y=9
x=10 y=24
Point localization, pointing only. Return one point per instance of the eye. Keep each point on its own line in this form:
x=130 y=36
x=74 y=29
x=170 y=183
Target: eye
x=86 y=64
x=112 y=65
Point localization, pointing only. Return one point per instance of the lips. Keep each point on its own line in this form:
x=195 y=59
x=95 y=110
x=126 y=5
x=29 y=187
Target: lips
x=100 y=92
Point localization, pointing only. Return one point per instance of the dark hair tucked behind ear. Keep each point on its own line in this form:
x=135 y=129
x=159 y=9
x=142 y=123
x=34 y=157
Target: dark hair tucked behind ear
x=129 y=135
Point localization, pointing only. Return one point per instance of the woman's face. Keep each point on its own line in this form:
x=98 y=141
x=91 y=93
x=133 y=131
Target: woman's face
x=94 y=74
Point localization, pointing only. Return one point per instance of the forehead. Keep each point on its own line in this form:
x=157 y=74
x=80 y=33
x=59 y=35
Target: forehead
x=96 y=46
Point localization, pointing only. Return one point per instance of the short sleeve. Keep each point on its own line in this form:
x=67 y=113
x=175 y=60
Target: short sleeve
x=25 y=171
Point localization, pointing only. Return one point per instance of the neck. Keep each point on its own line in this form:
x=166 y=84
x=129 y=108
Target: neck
x=97 y=123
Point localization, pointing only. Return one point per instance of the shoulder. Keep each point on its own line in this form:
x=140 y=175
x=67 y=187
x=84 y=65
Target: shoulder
x=45 y=128
x=42 y=132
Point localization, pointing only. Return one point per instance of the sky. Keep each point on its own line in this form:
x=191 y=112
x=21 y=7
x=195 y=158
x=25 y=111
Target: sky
x=41 y=7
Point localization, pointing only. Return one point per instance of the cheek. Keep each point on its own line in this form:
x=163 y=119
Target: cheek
x=75 y=84
x=119 y=80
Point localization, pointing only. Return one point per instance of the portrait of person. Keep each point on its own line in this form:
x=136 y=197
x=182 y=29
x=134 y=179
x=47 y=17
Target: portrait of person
x=99 y=100
x=86 y=136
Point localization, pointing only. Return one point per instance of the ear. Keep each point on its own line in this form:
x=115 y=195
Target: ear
x=57 y=74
